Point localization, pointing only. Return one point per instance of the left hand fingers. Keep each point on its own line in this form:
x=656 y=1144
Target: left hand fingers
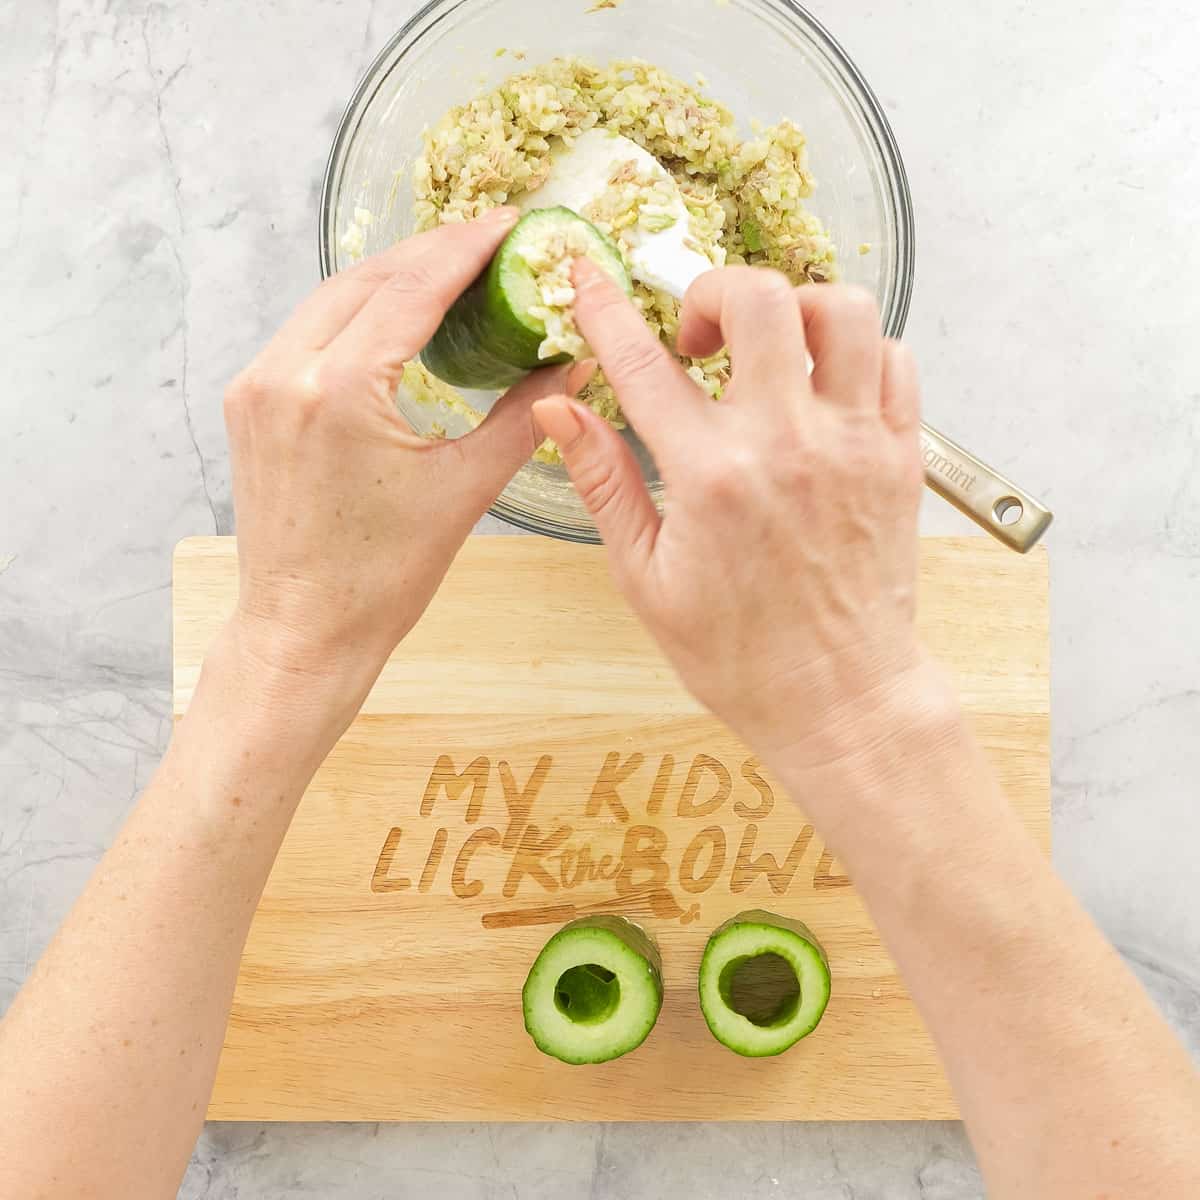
x=420 y=277
x=405 y=311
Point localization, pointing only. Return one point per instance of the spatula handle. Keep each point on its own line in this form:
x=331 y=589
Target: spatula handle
x=993 y=502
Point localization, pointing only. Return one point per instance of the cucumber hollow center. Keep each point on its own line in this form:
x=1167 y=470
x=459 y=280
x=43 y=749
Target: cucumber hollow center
x=587 y=994
x=764 y=988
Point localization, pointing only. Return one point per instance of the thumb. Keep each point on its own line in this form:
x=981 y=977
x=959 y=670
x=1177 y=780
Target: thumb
x=608 y=479
x=493 y=453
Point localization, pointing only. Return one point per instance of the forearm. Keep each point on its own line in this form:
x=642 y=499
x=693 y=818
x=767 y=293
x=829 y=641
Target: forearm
x=1070 y=1083
x=108 y=1055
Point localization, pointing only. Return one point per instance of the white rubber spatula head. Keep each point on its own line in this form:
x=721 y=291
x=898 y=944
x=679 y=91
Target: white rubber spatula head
x=581 y=173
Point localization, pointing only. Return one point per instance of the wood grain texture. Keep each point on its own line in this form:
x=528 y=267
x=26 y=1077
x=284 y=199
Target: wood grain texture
x=527 y=755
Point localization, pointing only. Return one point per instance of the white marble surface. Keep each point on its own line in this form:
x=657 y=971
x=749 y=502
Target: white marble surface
x=157 y=201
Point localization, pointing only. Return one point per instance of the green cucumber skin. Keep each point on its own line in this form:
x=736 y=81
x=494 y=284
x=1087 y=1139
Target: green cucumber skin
x=634 y=936
x=630 y=935
x=760 y=917
x=483 y=342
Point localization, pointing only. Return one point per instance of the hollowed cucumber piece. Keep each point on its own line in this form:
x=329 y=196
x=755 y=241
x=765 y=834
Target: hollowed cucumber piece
x=489 y=339
x=764 y=983
x=594 y=992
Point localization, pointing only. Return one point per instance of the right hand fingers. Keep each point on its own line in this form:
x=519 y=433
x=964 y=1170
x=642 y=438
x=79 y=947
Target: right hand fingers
x=752 y=310
x=652 y=387
x=901 y=390
x=735 y=307
x=609 y=481
x=842 y=326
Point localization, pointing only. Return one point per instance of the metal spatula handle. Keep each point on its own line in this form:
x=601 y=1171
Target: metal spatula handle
x=993 y=502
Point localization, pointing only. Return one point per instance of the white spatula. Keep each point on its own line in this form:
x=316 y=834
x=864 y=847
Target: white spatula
x=581 y=173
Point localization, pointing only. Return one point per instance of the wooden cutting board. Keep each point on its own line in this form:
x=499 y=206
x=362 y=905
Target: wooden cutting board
x=527 y=756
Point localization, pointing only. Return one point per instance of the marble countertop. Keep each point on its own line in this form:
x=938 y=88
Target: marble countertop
x=159 y=215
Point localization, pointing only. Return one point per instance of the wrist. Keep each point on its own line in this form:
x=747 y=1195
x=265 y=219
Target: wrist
x=898 y=786
x=879 y=757
x=291 y=640
x=914 y=704
x=280 y=693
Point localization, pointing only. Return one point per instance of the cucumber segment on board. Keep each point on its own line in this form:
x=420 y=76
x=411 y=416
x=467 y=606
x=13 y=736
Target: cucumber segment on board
x=594 y=992
x=490 y=338
x=764 y=983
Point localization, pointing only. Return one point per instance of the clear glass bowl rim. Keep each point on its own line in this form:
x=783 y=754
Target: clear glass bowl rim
x=895 y=179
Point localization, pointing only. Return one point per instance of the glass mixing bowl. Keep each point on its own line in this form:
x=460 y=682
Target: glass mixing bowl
x=763 y=59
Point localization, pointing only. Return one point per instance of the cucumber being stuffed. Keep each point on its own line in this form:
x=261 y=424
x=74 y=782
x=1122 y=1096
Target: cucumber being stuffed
x=517 y=315
x=594 y=992
x=764 y=983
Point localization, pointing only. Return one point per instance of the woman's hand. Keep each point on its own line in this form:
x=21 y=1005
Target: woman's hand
x=781 y=578
x=347 y=520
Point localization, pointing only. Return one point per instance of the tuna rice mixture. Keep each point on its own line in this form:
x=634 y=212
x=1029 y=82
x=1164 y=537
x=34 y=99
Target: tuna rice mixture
x=550 y=259
x=746 y=198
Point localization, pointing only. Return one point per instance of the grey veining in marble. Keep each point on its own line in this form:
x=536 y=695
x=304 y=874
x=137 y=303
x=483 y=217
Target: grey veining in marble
x=157 y=213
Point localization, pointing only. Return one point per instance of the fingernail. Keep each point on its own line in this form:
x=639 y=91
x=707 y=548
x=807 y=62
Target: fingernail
x=506 y=214
x=580 y=375
x=557 y=419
